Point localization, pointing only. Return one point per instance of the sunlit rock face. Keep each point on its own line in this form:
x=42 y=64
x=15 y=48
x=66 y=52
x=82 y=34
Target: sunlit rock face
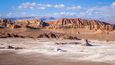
x=65 y=23
x=81 y=23
x=31 y=23
x=69 y=28
x=6 y=23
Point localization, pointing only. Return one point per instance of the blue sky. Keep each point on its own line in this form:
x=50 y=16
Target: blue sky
x=97 y=9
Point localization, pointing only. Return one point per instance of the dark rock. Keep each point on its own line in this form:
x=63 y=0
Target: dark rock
x=11 y=47
x=85 y=43
x=61 y=50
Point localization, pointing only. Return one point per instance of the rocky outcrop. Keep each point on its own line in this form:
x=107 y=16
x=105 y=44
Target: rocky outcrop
x=65 y=23
x=81 y=23
x=6 y=23
x=85 y=42
x=66 y=28
x=31 y=33
x=56 y=35
x=34 y=23
x=30 y=23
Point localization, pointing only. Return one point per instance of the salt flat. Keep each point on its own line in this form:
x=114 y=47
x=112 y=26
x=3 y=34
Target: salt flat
x=100 y=51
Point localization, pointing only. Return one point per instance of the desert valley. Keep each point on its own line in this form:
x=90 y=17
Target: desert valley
x=57 y=32
x=67 y=28
x=66 y=41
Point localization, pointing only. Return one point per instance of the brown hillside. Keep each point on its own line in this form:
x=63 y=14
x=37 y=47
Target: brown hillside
x=82 y=23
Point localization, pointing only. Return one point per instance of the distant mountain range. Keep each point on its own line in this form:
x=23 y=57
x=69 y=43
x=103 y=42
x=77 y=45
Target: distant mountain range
x=44 y=18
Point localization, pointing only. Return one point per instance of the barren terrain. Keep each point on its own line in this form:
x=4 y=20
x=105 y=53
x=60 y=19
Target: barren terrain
x=43 y=51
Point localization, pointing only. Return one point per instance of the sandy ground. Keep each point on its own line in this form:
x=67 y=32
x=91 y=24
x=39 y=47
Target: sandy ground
x=44 y=52
x=10 y=58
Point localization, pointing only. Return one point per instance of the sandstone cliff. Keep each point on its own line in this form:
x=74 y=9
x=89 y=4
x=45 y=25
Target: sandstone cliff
x=81 y=23
x=66 y=28
x=29 y=23
x=34 y=23
x=6 y=23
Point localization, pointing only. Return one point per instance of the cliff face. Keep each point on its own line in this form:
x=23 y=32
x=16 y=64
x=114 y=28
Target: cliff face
x=30 y=23
x=65 y=23
x=34 y=23
x=81 y=23
x=6 y=23
x=66 y=28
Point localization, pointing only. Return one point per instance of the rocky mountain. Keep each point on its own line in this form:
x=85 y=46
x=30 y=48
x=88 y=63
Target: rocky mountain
x=6 y=22
x=44 y=18
x=17 y=23
x=64 y=23
x=23 y=18
x=81 y=23
x=65 y=28
x=60 y=23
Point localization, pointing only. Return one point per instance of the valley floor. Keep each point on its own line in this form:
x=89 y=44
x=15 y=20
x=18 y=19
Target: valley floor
x=45 y=52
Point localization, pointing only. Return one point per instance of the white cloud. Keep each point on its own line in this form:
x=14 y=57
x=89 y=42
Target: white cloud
x=9 y=14
x=90 y=11
x=73 y=8
x=105 y=13
x=65 y=14
x=0 y=15
x=49 y=5
x=113 y=4
x=19 y=14
x=59 y=6
x=42 y=8
x=44 y=5
x=28 y=5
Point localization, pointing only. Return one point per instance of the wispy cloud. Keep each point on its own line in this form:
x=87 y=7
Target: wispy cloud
x=64 y=14
x=59 y=6
x=0 y=15
x=28 y=5
x=106 y=13
x=113 y=4
x=73 y=7
x=21 y=14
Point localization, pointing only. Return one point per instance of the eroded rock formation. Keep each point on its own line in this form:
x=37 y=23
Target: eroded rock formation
x=66 y=28
x=6 y=23
x=81 y=23
x=30 y=23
